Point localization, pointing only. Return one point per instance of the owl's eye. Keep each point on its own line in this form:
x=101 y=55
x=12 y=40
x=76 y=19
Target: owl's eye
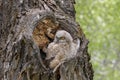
x=62 y=38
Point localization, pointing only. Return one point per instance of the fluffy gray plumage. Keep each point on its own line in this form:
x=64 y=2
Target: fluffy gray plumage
x=62 y=48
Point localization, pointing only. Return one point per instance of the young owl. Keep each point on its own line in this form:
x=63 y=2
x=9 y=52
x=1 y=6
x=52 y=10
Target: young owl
x=61 y=48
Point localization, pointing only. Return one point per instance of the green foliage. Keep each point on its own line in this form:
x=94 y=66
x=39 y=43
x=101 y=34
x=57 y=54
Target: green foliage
x=99 y=20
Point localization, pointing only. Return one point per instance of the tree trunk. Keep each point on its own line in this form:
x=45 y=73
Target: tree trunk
x=26 y=27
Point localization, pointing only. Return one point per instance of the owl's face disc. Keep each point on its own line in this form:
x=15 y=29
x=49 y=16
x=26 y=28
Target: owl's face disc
x=61 y=39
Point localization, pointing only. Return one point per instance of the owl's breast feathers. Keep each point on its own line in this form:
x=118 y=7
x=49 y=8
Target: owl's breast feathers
x=56 y=48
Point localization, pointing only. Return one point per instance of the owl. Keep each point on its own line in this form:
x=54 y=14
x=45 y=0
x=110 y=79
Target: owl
x=63 y=47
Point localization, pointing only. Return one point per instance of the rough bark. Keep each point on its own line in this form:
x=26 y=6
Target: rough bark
x=26 y=27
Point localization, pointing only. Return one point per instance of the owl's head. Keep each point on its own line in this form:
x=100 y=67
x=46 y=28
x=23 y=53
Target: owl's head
x=63 y=36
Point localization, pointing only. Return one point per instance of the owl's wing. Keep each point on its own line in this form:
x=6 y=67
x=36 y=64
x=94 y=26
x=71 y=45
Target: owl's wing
x=75 y=47
x=47 y=49
x=52 y=50
x=51 y=45
x=77 y=43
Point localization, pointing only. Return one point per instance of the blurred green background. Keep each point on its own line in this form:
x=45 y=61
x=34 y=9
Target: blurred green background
x=100 y=21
